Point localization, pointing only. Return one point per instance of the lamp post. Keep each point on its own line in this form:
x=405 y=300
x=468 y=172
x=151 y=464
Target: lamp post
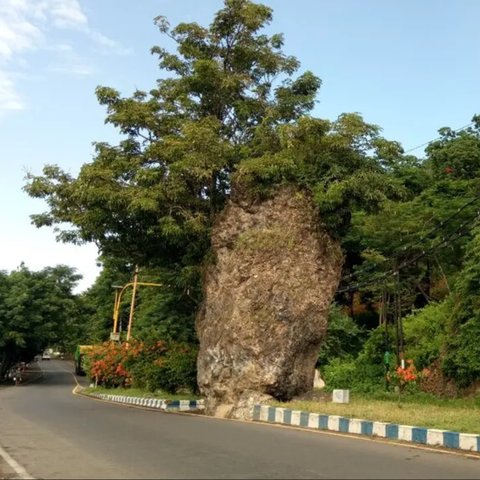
x=118 y=299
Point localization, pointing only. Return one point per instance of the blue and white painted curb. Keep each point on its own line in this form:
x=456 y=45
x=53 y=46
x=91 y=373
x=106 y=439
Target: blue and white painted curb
x=168 y=405
x=391 y=431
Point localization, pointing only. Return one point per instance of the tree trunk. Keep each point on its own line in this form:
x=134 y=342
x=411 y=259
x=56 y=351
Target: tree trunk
x=266 y=302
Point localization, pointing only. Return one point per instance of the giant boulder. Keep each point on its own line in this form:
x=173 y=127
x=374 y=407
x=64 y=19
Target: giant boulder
x=266 y=301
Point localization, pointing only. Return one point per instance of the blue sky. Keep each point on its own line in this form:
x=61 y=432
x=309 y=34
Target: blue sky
x=411 y=67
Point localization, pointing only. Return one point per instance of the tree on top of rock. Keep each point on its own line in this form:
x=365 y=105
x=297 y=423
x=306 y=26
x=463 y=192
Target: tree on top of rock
x=229 y=118
x=229 y=102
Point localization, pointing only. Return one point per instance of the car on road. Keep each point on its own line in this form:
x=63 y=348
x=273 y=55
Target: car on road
x=46 y=356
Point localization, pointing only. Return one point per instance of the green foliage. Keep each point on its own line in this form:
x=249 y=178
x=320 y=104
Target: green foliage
x=344 y=338
x=425 y=332
x=457 y=154
x=174 y=371
x=340 y=373
x=331 y=160
x=363 y=373
x=354 y=375
x=37 y=309
x=462 y=360
x=152 y=365
x=151 y=199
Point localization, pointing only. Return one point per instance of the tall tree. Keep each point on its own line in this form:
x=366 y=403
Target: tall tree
x=151 y=198
x=229 y=118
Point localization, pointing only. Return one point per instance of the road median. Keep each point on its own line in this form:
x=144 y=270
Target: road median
x=391 y=431
x=168 y=405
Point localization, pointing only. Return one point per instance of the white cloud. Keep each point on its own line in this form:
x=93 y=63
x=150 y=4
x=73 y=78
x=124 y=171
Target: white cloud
x=17 y=35
x=9 y=97
x=24 y=27
x=60 y=47
x=77 y=69
x=67 y=13
x=109 y=44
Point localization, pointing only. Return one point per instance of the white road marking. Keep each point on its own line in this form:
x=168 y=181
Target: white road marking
x=18 y=469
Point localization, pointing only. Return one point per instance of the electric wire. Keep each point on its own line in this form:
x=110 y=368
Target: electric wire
x=417 y=242
x=458 y=130
x=458 y=232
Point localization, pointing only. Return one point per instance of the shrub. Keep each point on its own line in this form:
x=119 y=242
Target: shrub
x=106 y=364
x=171 y=370
x=344 y=337
x=357 y=376
x=152 y=365
x=462 y=362
x=340 y=373
x=365 y=373
x=424 y=332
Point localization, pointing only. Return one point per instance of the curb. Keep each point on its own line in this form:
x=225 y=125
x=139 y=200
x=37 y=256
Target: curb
x=165 y=405
x=391 y=431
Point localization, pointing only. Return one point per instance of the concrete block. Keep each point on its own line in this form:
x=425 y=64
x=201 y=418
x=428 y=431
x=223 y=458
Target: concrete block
x=341 y=396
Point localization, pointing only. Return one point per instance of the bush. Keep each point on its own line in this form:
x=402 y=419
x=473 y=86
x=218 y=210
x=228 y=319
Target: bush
x=340 y=373
x=153 y=365
x=174 y=369
x=365 y=373
x=357 y=376
x=344 y=337
x=106 y=364
x=462 y=362
x=424 y=332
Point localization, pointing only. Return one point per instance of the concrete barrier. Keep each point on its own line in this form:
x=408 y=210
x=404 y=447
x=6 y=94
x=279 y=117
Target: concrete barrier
x=392 y=431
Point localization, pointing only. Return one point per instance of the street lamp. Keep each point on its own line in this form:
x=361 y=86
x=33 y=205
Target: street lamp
x=118 y=298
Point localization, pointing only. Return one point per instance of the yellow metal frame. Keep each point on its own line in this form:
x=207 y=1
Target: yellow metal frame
x=118 y=300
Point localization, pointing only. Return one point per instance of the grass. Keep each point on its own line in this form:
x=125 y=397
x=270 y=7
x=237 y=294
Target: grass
x=421 y=410
x=138 y=392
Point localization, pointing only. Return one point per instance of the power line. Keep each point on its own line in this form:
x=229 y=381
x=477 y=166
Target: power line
x=439 y=225
x=457 y=233
x=438 y=138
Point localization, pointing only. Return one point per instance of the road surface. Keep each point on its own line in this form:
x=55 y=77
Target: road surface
x=54 y=434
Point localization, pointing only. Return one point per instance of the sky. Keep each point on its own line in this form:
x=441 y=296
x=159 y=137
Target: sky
x=410 y=67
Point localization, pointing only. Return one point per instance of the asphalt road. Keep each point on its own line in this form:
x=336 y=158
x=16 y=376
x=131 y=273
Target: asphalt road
x=55 y=434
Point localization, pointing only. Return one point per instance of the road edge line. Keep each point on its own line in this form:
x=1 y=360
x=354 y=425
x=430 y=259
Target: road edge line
x=13 y=464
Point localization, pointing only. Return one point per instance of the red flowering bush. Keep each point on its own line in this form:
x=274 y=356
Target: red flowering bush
x=406 y=377
x=152 y=365
x=106 y=364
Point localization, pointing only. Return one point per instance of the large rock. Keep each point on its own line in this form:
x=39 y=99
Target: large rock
x=266 y=302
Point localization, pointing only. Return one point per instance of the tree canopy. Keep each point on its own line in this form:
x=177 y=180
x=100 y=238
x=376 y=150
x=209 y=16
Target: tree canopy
x=228 y=111
x=37 y=309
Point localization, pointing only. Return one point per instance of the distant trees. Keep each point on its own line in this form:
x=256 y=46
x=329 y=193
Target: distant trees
x=37 y=309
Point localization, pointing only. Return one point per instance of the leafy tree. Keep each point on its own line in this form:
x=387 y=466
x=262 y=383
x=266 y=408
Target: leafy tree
x=151 y=198
x=462 y=347
x=456 y=153
x=37 y=309
x=230 y=105
x=229 y=118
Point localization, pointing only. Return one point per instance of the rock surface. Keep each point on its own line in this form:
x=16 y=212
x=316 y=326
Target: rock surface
x=266 y=302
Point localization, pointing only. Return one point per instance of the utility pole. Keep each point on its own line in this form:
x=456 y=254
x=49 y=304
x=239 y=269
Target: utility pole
x=132 y=304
